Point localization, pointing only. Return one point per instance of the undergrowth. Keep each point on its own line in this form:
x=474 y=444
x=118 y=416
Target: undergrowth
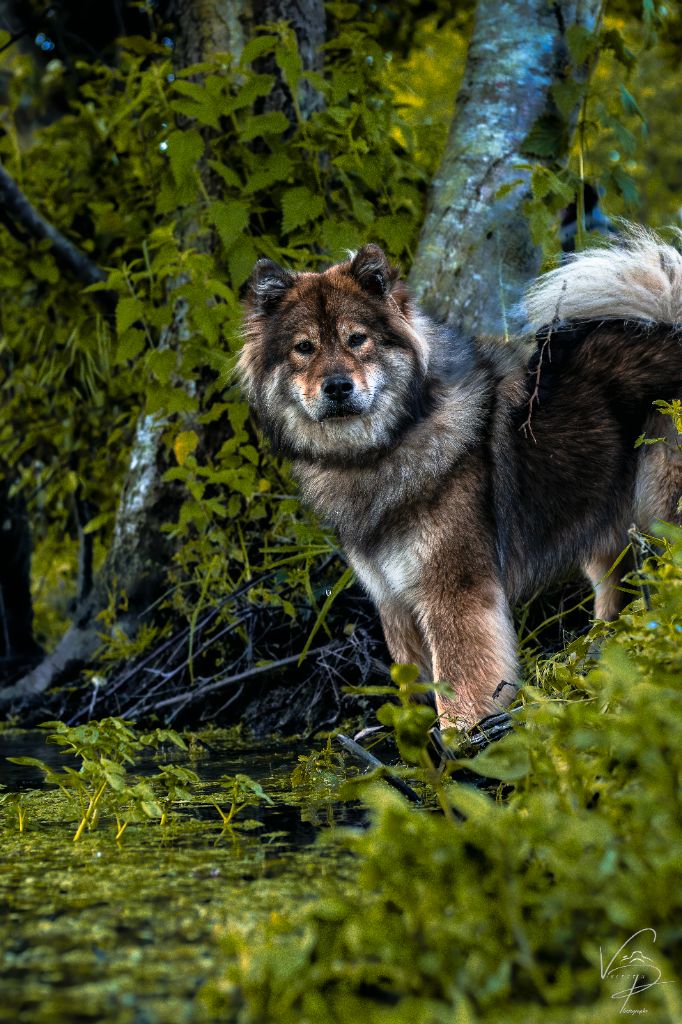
x=515 y=907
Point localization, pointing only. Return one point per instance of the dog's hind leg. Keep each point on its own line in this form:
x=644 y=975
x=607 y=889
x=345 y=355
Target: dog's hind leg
x=610 y=595
x=658 y=487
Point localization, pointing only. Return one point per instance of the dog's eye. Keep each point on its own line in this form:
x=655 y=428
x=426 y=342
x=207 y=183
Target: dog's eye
x=356 y=340
x=304 y=348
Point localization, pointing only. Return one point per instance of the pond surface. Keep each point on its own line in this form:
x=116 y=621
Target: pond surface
x=129 y=931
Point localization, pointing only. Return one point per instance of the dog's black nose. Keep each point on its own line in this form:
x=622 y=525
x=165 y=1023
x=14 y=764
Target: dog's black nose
x=337 y=389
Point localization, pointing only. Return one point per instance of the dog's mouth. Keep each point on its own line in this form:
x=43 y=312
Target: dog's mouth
x=339 y=413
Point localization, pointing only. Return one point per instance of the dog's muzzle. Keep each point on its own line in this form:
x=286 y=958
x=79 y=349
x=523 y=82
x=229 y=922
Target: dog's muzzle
x=338 y=398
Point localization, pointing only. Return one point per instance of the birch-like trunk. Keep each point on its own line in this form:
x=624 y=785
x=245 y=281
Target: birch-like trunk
x=475 y=254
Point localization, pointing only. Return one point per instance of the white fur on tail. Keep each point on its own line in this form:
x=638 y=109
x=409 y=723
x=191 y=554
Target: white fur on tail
x=636 y=278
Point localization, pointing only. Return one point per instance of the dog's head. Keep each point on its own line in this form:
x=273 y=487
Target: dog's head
x=335 y=362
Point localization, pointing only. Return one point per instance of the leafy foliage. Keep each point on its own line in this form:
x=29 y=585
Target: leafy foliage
x=125 y=175
x=611 y=148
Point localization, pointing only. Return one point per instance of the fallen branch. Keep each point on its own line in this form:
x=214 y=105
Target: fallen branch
x=373 y=762
x=22 y=220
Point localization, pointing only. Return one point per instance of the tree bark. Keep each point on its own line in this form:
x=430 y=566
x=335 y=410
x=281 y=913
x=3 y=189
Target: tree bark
x=16 y=610
x=207 y=27
x=475 y=254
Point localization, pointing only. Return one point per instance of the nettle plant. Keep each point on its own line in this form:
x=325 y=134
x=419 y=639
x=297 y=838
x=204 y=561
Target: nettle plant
x=104 y=787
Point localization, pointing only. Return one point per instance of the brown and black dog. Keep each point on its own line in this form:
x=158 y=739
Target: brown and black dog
x=463 y=475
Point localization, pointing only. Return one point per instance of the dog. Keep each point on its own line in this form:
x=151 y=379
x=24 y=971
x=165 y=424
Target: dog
x=463 y=475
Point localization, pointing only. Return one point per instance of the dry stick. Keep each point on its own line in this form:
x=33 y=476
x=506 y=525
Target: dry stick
x=373 y=762
x=535 y=397
x=231 y=680
x=179 y=635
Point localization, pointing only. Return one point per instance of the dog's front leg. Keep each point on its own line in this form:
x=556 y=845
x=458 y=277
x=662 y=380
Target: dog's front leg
x=403 y=638
x=469 y=632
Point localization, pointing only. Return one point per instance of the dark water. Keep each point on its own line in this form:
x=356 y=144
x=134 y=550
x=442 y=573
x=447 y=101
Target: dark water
x=129 y=931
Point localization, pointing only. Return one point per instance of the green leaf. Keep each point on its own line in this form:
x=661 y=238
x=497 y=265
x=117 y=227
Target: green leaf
x=256 y=86
x=289 y=62
x=31 y=762
x=162 y=362
x=277 y=168
x=506 y=760
x=567 y=95
x=128 y=310
x=240 y=261
x=547 y=138
x=229 y=176
x=404 y=675
x=338 y=236
x=582 y=43
x=626 y=185
x=299 y=206
x=613 y=40
x=130 y=345
x=273 y=123
x=230 y=218
x=185 y=444
x=344 y=581
x=509 y=186
x=203 y=105
x=256 y=48
x=97 y=522
x=396 y=231
x=185 y=149
x=629 y=103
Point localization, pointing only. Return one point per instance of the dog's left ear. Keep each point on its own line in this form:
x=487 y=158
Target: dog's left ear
x=372 y=271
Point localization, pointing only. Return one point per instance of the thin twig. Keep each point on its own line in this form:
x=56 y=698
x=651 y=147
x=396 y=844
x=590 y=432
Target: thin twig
x=639 y=549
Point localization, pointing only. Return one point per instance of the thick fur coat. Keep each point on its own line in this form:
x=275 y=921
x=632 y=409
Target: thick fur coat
x=462 y=475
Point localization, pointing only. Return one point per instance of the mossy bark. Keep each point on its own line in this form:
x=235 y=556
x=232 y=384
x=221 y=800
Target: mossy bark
x=476 y=253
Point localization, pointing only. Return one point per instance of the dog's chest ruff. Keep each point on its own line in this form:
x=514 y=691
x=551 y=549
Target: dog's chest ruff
x=392 y=573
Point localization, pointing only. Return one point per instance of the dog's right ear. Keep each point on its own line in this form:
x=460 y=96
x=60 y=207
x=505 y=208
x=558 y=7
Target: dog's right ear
x=268 y=285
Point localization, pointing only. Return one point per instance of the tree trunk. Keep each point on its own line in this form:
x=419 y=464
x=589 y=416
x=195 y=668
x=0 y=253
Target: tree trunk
x=16 y=610
x=475 y=254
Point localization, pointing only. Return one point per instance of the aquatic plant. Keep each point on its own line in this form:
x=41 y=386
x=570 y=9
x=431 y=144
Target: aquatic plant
x=103 y=783
x=18 y=802
x=242 y=792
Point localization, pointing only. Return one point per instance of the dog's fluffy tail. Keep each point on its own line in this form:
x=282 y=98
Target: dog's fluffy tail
x=637 y=278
